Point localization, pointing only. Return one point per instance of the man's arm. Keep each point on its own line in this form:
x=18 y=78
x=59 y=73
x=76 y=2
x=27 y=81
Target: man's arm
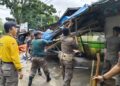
x=52 y=45
x=114 y=71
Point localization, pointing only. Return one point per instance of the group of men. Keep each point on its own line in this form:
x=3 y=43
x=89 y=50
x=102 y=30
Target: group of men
x=11 y=68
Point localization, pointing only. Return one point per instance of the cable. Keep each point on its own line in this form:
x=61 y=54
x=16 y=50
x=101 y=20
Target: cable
x=102 y=1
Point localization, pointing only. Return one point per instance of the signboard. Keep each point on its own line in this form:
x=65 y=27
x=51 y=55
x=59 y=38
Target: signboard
x=24 y=27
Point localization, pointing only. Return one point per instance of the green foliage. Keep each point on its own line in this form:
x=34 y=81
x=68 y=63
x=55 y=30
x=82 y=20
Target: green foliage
x=1 y=26
x=34 y=12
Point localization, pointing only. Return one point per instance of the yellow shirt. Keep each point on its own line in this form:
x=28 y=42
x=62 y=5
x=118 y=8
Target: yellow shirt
x=9 y=51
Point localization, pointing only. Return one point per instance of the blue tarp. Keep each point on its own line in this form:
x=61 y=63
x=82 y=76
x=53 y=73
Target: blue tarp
x=47 y=35
x=76 y=14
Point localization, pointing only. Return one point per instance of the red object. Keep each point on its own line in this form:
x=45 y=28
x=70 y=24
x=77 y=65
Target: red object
x=23 y=48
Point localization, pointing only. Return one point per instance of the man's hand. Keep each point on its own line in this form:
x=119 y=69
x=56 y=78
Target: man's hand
x=99 y=78
x=76 y=51
x=20 y=74
x=58 y=39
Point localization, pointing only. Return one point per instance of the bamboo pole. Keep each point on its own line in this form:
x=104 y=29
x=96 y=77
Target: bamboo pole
x=94 y=82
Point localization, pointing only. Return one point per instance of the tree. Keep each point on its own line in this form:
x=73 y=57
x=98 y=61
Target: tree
x=1 y=26
x=30 y=11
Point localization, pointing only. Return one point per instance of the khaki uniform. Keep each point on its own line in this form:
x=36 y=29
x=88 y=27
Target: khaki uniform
x=9 y=75
x=68 y=44
x=38 y=62
x=67 y=69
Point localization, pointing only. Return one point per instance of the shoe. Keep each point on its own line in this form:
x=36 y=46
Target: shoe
x=30 y=81
x=48 y=78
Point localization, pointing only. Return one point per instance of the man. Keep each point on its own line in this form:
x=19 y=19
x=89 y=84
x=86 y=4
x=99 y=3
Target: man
x=29 y=49
x=68 y=45
x=38 y=57
x=111 y=53
x=9 y=55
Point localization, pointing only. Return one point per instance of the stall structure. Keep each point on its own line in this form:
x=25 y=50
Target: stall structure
x=92 y=23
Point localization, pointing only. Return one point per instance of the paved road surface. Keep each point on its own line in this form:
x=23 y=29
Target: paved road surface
x=80 y=78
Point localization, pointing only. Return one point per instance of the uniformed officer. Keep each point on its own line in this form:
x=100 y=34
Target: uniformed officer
x=38 y=57
x=68 y=45
x=9 y=55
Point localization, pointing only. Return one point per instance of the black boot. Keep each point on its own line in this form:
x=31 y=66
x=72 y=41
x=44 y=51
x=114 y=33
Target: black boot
x=48 y=78
x=30 y=81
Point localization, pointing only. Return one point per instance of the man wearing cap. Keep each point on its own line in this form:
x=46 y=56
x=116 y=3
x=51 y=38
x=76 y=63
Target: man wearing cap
x=68 y=46
x=9 y=55
x=29 y=49
x=38 y=57
x=111 y=54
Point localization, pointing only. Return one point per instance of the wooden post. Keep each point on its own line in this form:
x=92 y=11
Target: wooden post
x=94 y=82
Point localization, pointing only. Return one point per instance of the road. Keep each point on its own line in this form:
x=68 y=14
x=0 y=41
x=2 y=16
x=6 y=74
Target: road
x=81 y=76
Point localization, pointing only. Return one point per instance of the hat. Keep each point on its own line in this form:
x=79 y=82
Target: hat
x=65 y=31
x=9 y=25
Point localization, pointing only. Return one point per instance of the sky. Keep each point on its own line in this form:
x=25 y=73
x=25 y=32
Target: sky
x=4 y=12
x=60 y=5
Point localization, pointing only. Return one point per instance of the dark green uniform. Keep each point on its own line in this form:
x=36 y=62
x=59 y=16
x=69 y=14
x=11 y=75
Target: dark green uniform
x=38 y=58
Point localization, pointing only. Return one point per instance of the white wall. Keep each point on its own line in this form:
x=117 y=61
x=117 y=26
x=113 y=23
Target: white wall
x=110 y=23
